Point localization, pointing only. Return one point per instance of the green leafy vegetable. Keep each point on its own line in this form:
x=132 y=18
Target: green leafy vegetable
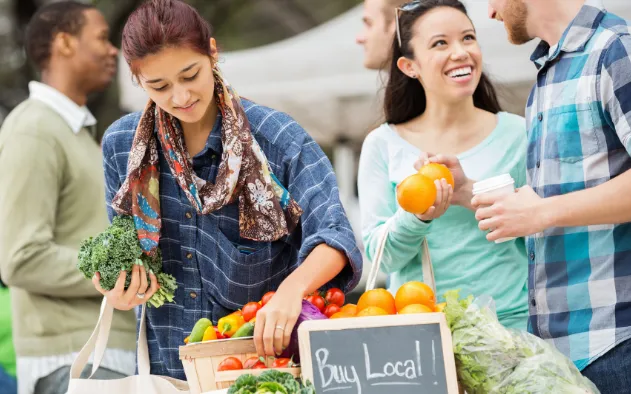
x=117 y=249
x=270 y=382
x=493 y=359
x=271 y=387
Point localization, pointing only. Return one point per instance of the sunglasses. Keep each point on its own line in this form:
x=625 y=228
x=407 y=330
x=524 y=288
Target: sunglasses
x=411 y=6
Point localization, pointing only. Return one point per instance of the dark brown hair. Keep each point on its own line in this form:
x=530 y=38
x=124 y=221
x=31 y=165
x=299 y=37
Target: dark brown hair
x=405 y=97
x=158 y=24
x=47 y=22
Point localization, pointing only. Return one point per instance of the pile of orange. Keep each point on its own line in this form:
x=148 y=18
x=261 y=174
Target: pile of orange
x=417 y=193
x=412 y=297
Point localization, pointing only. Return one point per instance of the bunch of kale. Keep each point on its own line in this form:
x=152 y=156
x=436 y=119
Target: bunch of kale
x=117 y=249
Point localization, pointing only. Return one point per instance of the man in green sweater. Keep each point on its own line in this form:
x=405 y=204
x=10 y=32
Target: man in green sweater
x=52 y=197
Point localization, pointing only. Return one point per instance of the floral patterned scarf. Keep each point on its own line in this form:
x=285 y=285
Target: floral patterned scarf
x=266 y=211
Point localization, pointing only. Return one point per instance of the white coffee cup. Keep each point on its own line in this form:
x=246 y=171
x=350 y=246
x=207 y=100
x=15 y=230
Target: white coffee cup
x=496 y=186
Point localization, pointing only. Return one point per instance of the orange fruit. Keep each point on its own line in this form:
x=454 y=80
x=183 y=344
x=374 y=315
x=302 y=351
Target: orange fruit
x=436 y=171
x=440 y=307
x=372 y=311
x=416 y=193
x=415 y=308
x=350 y=309
x=414 y=292
x=340 y=315
x=377 y=297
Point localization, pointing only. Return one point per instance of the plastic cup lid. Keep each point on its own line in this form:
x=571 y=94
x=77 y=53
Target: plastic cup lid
x=493 y=183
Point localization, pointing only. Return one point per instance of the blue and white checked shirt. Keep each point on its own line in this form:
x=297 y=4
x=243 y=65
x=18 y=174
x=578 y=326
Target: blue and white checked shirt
x=218 y=272
x=579 y=117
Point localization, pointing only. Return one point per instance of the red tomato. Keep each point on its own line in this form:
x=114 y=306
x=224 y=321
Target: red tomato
x=335 y=296
x=317 y=301
x=249 y=310
x=230 y=364
x=253 y=363
x=219 y=334
x=282 y=363
x=268 y=296
x=331 y=309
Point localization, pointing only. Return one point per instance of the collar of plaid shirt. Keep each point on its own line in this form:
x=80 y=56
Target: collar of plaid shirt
x=575 y=36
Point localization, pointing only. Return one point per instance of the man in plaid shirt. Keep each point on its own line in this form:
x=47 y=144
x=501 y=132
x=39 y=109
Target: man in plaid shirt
x=577 y=207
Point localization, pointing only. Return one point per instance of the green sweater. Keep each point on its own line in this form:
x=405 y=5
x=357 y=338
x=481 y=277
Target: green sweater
x=51 y=198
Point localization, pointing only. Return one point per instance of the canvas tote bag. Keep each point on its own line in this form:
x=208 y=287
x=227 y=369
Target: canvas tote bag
x=426 y=261
x=143 y=383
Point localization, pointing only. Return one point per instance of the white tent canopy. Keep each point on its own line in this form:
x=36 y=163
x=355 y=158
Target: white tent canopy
x=318 y=76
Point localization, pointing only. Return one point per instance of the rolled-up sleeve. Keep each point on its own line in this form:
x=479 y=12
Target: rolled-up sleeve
x=312 y=183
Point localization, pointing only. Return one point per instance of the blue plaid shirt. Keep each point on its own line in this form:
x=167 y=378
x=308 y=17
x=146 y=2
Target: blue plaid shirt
x=217 y=271
x=579 y=117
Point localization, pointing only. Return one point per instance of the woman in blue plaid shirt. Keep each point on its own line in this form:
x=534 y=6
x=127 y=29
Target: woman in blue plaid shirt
x=238 y=198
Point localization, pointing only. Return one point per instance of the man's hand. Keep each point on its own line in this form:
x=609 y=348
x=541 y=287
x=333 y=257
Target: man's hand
x=510 y=215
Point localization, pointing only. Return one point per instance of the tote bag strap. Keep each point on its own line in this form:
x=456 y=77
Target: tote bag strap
x=98 y=343
x=426 y=261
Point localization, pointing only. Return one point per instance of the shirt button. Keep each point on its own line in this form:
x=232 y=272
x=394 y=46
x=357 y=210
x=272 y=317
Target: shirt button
x=540 y=117
x=532 y=256
x=193 y=295
x=538 y=164
x=533 y=302
x=189 y=256
x=188 y=215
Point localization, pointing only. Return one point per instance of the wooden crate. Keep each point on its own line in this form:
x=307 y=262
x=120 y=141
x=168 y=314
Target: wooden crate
x=201 y=360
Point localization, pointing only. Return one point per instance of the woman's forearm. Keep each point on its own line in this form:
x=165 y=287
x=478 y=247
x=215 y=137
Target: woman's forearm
x=322 y=265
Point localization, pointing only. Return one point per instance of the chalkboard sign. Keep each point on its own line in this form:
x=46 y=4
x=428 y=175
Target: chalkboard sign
x=382 y=354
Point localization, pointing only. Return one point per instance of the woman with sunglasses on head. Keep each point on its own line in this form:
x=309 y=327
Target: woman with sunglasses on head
x=236 y=196
x=438 y=100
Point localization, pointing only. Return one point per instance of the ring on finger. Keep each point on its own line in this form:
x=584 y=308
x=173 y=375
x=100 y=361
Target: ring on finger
x=280 y=328
x=140 y=295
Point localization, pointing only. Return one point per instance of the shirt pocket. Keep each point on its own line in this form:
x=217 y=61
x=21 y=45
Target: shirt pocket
x=244 y=276
x=243 y=267
x=572 y=133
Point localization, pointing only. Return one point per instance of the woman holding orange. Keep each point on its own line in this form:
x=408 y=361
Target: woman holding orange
x=439 y=100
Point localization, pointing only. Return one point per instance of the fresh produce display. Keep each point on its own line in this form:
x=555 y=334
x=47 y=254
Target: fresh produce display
x=272 y=382
x=117 y=249
x=412 y=297
x=493 y=359
x=417 y=193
